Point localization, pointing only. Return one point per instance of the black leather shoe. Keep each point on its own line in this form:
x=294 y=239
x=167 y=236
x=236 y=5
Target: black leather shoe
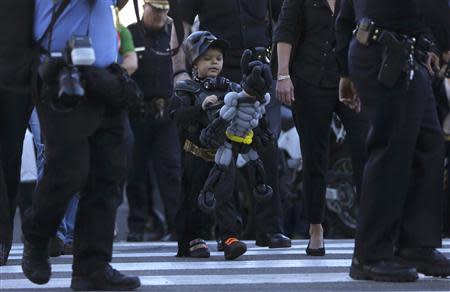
x=315 y=252
x=35 y=264
x=427 y=261
x=275 y=240
x=5 y=248
x=55 y=246
x=106 y=279
x=135 y=237
x=384 y=271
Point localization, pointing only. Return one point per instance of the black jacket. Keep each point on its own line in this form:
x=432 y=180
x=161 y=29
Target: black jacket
x=186 y=107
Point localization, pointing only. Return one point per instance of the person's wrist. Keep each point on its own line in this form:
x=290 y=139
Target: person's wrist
x=281 y=77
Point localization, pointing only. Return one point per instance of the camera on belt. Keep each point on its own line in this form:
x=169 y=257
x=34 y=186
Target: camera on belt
x=63 y=68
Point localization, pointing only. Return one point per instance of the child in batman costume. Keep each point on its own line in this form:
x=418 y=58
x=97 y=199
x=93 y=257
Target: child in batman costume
x=194 y=106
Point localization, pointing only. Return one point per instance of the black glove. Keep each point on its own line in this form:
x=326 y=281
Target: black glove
x=213 y=136
x=256 y=76
x=263 y=138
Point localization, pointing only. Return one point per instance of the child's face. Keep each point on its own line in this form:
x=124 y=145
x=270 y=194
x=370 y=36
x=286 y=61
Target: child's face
x=210 y=63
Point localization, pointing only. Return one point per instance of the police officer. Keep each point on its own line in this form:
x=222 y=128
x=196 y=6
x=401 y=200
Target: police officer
x=15 y=50
x=244 y=25
x=155 y=139
x=400 y=210
x=84 y=142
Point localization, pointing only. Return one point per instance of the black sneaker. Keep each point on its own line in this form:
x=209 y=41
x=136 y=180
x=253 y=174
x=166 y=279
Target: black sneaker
x=383 y=271
x=198 y=249
x=233 y=248
x=427 y=261
x=5 y=248
x=106 y=279
x=35 y=263
x=55 y=246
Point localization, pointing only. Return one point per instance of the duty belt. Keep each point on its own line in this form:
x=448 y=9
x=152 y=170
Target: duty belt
x=203 y=153
x=367 y=32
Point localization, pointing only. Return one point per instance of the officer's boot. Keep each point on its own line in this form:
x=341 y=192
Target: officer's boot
x=35 y=262
x=5 y=248
x=104 y=279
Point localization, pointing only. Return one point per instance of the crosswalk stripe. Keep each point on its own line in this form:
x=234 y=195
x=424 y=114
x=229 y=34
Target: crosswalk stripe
x=252 y=252
x=177 y=280
x=201 y=265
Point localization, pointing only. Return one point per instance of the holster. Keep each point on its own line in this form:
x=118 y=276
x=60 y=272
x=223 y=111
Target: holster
x=395 y=50
x=393 y=64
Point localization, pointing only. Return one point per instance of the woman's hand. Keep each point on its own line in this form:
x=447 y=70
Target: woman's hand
x=285 y=91
x=209 y=101
x=348 y=94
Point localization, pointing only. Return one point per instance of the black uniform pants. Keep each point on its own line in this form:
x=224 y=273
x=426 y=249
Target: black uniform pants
x=155 y=141
x=14 y=115
x=267 y=215
x=86 y=153
x=402 y=183
x=313 y=110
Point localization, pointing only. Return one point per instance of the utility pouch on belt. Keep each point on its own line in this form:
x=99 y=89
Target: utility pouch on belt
x=392 y=65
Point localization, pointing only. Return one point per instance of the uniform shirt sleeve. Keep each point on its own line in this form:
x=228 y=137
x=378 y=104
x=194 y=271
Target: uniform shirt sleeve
x=189 y=9
x=126 y=40
x=345 y=24
x=288 y=28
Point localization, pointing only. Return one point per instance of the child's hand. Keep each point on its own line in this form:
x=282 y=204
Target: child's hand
x=209 y=101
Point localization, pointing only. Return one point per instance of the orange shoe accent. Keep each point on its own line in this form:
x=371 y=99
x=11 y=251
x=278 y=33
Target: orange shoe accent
x=231 y=240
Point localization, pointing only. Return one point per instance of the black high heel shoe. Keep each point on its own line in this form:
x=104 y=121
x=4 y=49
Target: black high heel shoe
x=315 y=252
